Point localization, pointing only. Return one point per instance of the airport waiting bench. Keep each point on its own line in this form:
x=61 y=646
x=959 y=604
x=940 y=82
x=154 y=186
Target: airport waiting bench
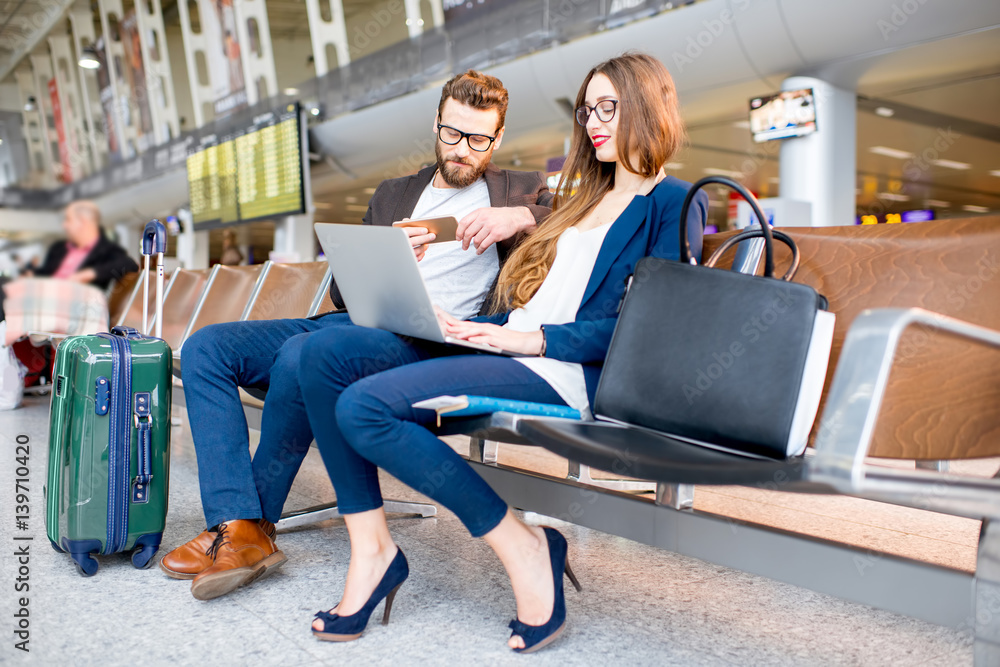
x=913 y=297
x=914 y=374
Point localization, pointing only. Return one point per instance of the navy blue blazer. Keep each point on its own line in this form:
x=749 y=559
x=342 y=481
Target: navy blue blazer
x=647 y=226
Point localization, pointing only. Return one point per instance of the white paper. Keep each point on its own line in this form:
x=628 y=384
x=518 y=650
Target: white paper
x=442 y=402
x=813 y=377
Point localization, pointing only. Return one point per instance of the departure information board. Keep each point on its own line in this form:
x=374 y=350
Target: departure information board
x=253 y=174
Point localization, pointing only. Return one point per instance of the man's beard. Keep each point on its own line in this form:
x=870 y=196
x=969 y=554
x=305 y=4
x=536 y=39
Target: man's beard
x=458 y=177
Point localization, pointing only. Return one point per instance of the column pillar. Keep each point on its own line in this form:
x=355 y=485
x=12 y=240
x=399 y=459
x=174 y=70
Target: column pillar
x=64 y=64
x=820 y=168
x=324 y=33
x=33 y=123
x=259 y=74
x=128 y=236
x=194 y=44
x=156 y=62
x=294 y=239
x=41 y=72
x=81 y=24
x=114 y=57
x=192 y=246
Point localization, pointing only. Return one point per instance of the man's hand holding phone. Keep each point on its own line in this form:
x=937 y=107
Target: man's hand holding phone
x=419 y=238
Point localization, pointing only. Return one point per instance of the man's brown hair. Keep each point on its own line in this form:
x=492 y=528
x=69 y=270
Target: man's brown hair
x=477 y=90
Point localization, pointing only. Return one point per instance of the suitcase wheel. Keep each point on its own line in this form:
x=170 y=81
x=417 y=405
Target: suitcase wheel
x=85 y=564
x=56 y=547
x=142 y=558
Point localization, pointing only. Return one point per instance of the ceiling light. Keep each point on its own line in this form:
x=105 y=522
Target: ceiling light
x=890 y=152
x=951 y=164
x=774 y=179
x=885 y=112
x=322 y=205
x=742 y=124
x=715 y=171
x=675 y=165
x=351 y=199
x=893 y=196
x=356 y=207
x=995 y=172
x=414 y=21
x=314 y=111
x=29 y=104
x=937 y=203
x=975 y=209
x=291 y=91
x=88 y=58
x=369 y=191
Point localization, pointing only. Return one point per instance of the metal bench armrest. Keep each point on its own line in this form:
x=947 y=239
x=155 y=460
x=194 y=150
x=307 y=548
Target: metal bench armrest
x=855 y=398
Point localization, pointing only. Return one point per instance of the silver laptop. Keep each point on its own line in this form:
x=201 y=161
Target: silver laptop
x=377 y=274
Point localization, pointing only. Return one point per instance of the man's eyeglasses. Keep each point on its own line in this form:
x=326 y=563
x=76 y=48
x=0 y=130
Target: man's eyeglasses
x=477 y=142
x=605 y=111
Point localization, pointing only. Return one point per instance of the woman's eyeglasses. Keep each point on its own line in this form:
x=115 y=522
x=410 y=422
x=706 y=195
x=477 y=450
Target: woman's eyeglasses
x=477 y=142
x=605 y=111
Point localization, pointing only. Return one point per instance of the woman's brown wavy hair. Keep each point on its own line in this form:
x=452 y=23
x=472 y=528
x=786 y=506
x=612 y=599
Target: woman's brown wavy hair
x=650 y=132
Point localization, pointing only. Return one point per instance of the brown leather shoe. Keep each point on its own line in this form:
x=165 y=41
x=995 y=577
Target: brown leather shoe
x=191 y=559
x=243 y=553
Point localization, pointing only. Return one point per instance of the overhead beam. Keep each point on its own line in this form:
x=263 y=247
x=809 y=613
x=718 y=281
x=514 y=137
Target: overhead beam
x=36 y=29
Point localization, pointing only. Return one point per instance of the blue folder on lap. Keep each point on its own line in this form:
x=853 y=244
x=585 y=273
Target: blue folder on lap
x=468 y=406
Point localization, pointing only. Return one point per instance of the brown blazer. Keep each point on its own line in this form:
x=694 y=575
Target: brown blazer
x=395 y=199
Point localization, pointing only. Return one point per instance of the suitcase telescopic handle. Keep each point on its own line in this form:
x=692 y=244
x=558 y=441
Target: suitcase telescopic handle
x=154 y=240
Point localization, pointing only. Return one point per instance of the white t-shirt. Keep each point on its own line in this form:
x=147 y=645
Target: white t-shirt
x=556 y=302
x=456 y=279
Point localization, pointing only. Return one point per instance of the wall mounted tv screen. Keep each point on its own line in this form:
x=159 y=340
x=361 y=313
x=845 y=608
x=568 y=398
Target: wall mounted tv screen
x=783 y=115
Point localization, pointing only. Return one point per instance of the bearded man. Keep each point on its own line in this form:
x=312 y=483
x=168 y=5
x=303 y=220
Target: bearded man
x=242 y=497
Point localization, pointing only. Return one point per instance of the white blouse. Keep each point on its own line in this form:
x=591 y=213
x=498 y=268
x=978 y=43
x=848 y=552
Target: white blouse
x=556 y=302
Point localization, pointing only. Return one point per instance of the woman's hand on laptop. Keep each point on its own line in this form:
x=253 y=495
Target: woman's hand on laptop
x=445 y=319
x=419 y=238
x=529 y=342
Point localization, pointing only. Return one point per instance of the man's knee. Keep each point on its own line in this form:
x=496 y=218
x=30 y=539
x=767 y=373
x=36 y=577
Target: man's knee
x=209 y=350
x=288 y=359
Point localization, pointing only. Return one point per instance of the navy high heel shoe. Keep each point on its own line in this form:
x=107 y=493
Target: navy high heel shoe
x=337 y=628
x=539 y=636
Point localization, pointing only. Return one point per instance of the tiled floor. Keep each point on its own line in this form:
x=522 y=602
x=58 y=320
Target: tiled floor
x=639 y=606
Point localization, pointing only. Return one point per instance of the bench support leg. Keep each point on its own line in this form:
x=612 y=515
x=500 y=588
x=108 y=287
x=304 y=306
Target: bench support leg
x=308 y=515
x=938 y=466
x=484 y=451
x=987 y=621
x=581 y=473
x=675 y=496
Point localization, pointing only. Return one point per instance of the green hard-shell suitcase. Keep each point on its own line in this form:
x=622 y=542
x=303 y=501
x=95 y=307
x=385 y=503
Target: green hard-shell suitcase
x=109 y=436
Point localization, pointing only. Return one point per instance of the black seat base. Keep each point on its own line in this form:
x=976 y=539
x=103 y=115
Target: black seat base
x=643 y=454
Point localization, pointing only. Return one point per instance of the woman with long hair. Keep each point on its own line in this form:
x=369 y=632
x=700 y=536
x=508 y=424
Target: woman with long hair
x=558 y=301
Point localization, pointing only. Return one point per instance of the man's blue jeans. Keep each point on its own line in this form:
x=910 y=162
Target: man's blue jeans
x=264 y=354
x=373 y=377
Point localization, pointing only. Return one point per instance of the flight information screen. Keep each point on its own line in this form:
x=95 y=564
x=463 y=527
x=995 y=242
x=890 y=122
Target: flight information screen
x=256 y=173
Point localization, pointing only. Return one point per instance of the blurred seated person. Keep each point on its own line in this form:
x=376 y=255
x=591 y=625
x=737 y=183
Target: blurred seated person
x=231 y=255
x=87 y=255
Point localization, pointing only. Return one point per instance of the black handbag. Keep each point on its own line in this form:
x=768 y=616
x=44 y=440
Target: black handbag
x=720 y=358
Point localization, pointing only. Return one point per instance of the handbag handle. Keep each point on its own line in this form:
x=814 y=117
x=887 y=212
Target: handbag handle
x=746 y=194
x=753 y=234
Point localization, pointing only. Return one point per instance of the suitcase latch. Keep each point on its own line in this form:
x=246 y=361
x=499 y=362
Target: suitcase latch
x=102 y=395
